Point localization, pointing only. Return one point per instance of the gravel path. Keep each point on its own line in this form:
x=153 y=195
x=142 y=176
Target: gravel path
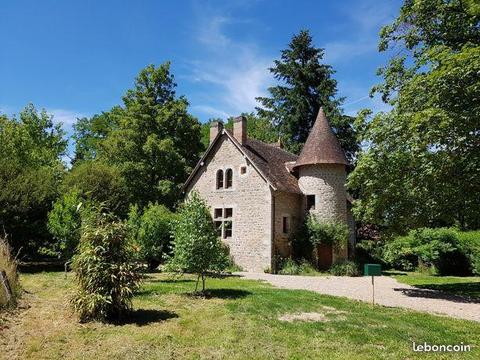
x=388 y=292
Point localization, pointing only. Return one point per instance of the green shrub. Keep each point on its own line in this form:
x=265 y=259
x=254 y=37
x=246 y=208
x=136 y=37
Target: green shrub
x=232 y=266
x=9 y=265
x=105 y=271
x=332 y=233
x=401 y=254
x=470 y=244
x=151 y=232
x=370 y=251
x=344 y=268
x=64 y=223
x=438 y=249
x=196 y=245
x=292 y=267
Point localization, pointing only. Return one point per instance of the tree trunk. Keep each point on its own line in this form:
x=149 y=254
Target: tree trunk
x=203 y=282
x=196 y=285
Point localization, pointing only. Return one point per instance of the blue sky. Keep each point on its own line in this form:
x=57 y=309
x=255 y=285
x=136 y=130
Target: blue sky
x=77 y=58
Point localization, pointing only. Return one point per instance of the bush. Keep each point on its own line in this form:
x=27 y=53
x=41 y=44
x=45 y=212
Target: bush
x=151 y=232
x=401 y=253
x=345 y=268
x=64 y=223
x=370 y=251
x=332 y=233
x=105 y=271
x=291 y=267
x=197 y=247
x=470 y=245
x=9 y=265
x=437 y=249
x=100 y=183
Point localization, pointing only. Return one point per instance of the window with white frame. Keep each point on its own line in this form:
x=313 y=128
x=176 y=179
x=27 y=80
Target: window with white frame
x=223 y=220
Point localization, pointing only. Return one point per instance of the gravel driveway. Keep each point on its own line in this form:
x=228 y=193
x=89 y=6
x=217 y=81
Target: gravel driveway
x=388 y=292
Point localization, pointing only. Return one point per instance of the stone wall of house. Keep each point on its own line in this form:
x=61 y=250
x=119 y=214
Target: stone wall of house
x=286 y=205
x=353 y=237
x=251 y=200
x=327 y=182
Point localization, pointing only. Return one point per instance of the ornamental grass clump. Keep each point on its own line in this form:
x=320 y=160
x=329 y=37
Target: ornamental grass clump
x=105 y=270
x=197 y=247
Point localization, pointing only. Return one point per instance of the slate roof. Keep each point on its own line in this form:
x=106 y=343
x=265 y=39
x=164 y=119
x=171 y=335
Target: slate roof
x=322 y=146
x=276 y=165
x=271 y=160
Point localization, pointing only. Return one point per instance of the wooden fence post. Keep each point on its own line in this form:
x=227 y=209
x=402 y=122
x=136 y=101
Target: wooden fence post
x=6 y=285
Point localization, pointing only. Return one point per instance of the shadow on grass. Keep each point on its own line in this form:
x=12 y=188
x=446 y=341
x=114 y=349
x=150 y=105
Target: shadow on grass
x=457 y=292
x=33 y=267
x=173 y=281
x=142 y=317
x=220 y=294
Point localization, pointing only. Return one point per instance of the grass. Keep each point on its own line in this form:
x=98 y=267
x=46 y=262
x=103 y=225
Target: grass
x=239 y=319
x=458 y=285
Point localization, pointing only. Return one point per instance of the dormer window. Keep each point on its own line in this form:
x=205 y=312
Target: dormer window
x=228 y=178
x=219 y=179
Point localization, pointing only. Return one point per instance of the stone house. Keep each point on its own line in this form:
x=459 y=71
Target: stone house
x=259 y=193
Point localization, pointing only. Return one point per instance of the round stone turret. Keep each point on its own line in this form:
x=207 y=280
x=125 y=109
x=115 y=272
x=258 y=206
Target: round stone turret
x=321 y=172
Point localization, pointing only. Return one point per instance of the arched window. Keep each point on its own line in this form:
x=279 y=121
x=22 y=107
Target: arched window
x=229 y=178
x=220 y=179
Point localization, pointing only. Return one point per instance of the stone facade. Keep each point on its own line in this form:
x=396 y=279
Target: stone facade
x=268 y=192
x=327 y=183
x=288 y=205
x=251 y=200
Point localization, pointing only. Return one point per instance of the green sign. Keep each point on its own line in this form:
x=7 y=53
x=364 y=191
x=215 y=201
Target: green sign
x=372 y=270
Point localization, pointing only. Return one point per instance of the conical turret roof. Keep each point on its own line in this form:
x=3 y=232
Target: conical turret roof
x=322 y=146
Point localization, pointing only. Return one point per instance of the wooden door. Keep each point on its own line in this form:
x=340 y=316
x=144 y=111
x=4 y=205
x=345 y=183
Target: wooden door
x=324 y=256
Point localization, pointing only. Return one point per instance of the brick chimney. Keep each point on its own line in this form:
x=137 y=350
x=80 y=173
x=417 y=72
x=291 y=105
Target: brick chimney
x=215 y=128
x=240 y=129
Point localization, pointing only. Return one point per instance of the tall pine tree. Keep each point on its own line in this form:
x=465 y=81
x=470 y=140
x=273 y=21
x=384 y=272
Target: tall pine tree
x=305 y=85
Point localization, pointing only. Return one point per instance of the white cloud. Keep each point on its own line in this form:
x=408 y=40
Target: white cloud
x=237 y=69
x=211 y=32
x=67 y=117
x=211 y=111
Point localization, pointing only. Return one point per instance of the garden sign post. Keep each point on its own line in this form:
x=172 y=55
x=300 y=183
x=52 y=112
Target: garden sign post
x=372 y=270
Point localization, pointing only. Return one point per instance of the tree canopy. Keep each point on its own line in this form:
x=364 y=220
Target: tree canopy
x=31 y=147
x=151 y=139
x=421 y=166
x=305 y=85
x=257 y=128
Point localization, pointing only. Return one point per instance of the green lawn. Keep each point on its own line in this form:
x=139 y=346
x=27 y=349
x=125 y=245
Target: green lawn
x=239 y=320
x=466 y=286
